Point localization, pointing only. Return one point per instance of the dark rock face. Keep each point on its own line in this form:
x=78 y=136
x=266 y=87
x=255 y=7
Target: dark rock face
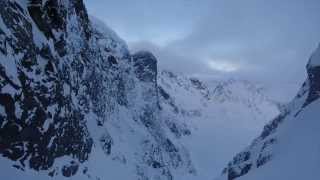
x=70 y=170
x=244 y=170
x=145 y=66
x=198 y=84
x=273 y=125
x=47 y=16
x=145 y=69
x=163 y=93
x=314 y=83
x=40 y=122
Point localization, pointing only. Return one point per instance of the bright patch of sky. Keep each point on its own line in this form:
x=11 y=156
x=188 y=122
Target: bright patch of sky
x=223 y=66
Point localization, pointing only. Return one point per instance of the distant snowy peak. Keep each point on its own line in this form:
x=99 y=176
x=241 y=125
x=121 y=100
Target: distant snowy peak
x=223 y=91
x=188 y=83
x=237 y=89
x=218 y=90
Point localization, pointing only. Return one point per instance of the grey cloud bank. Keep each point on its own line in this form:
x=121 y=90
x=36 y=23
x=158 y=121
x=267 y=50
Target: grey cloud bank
x=263 y=41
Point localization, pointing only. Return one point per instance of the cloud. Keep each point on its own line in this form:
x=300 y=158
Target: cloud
x=223 y=66
x=169 y=59
x=264 y=41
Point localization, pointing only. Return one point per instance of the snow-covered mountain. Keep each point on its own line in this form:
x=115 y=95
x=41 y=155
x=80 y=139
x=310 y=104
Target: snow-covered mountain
x=76 y=104
x=228 y=112
x=287 y=148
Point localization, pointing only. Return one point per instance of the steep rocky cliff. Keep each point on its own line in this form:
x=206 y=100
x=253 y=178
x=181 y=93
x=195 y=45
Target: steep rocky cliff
x=74 y=102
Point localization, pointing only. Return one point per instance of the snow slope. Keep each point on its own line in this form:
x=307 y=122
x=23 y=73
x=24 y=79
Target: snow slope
x=287 y=148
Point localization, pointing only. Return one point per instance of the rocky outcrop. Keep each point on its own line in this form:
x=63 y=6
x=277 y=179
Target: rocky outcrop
x=313 y=70
x=145 y=66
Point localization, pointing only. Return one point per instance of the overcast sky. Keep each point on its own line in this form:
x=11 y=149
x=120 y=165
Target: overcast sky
x=266 y=41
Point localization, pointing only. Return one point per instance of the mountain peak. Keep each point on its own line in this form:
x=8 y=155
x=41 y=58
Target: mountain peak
x=145 y=64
